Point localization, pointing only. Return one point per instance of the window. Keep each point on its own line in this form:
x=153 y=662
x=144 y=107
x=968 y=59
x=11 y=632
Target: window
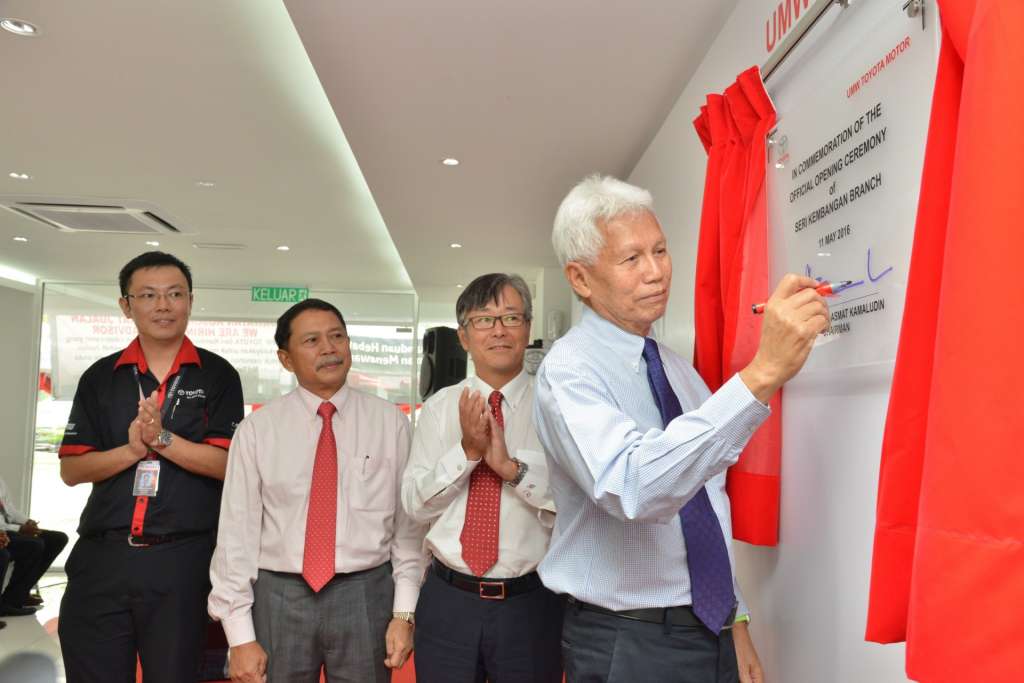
x=82 y=323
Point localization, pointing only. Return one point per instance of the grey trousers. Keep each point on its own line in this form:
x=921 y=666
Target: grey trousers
x=341 y=628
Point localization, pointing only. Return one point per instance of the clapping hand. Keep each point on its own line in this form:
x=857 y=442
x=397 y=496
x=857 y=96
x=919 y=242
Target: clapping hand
x=150 y=419
x=473 y=414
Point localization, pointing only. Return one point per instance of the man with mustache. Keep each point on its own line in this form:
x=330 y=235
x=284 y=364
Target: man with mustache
x=638 y=449
x=149 y=430
x=317 y=565
x=478 y=475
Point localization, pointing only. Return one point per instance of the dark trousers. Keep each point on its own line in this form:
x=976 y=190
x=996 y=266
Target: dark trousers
x=601 y=648
x=32 y=556
x=122 y=601
x=461 y=638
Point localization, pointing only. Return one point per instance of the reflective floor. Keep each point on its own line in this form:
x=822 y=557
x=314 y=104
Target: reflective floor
x=37 y=633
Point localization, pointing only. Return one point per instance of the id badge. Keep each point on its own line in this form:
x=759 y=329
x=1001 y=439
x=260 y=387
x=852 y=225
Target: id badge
x=147 y=478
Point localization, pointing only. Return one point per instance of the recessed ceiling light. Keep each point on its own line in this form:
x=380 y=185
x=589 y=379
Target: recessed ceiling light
x=21 y=239
x=459 y=286
x=19 y=176
x=153 y=243
x=450 y=161
x=455 y=245
x=19 y=27
x=283 y=247
x=205 y=183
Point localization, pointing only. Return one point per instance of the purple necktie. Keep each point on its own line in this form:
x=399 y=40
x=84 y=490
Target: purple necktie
x=706 y=554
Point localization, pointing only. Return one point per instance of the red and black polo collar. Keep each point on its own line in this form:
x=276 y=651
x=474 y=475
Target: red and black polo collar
x=133 y=355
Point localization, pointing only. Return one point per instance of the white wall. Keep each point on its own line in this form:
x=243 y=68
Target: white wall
x=808 y=596
x=553 y=294
x=19 y=365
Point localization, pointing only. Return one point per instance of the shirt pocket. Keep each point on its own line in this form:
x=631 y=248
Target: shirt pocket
x=186 y=414
x=372 y=482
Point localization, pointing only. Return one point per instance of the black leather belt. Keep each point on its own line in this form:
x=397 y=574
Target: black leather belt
x=146 y=540
x=488 y=589
x=340 y=576
x=674 y=616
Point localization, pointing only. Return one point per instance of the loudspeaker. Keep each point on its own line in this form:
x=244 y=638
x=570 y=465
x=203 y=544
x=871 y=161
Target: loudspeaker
x=444 y=361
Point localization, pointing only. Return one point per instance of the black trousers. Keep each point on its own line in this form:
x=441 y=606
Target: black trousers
x=32 y=556
x=461 y=638
x=601 y=648
x=122 y=601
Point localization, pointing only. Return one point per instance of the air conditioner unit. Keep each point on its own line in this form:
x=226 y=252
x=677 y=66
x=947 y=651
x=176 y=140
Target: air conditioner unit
x=125 y=217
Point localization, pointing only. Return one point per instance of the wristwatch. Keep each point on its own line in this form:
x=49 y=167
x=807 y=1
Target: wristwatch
x=523 y=469
x=409 y=617
x=163 y=439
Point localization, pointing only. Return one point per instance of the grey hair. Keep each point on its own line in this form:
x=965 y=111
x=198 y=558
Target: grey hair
x=576 y=235
x=487 y=288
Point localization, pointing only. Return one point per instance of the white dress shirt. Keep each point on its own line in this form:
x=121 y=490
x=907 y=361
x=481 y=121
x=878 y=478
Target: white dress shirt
x=266 y=498
x=11 y=518
x=620 y=477
x=435 y=487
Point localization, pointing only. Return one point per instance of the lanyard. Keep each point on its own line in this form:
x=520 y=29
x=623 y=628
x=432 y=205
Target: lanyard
x=170 y=391
x=142 y=501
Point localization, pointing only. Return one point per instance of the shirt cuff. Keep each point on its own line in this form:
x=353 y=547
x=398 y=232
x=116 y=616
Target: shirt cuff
x=734 y=411
x=239 y=629
x=456 y=465
x=533 y=487
x=406 y=595
x=74 y=449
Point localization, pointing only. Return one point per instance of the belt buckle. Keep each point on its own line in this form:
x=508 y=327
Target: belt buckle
x=132 y=543
x=492 y=584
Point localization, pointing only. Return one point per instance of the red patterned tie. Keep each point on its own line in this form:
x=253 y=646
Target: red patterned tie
x=322 y=517
x=480 y=531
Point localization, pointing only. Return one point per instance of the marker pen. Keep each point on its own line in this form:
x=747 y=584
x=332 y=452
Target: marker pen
x=824 y=289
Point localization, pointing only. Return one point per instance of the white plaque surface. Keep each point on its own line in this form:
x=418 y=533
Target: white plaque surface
x=844 y=173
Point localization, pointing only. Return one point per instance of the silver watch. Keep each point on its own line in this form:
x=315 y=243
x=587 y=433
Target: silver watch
x=164 y=438
x=520 y=475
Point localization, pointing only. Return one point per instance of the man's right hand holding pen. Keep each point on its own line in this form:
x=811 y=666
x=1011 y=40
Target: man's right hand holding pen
x=794 y=316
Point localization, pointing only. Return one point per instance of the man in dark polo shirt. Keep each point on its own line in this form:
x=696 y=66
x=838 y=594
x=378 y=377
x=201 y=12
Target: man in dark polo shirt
x=149 y=429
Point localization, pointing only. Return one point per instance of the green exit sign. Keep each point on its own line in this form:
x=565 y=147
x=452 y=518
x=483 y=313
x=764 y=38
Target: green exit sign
x=280 y=295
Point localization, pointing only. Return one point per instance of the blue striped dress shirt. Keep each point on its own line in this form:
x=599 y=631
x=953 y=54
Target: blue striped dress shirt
x=618 y=477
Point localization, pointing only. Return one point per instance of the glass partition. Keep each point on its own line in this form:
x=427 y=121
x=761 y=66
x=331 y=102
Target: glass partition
x=82 y=323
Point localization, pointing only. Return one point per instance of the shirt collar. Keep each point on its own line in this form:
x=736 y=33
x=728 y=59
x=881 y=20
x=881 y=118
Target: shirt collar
x=622 y=344
x=133 y=355
x=312 y=402
x=512 y=392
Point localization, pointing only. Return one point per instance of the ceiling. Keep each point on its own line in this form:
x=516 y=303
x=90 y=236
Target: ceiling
x=119 y=100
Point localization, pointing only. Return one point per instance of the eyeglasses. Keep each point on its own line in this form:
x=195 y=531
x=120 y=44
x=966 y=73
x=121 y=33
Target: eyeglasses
x=486 y=322
x=147 y=299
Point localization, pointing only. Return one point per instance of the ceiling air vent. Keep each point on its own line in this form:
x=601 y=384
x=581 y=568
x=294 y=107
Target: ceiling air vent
x=218 y=245
x=134 y=218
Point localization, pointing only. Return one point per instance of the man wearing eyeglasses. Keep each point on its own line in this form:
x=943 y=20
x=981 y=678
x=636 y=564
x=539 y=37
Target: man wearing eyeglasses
x=149 y=429
x=478 y=475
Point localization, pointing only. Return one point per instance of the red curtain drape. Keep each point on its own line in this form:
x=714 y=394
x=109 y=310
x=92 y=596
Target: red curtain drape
x=948 y=565
x=732 y=272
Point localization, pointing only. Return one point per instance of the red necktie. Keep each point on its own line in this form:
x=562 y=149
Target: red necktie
x=322 y=517
x=480 y=531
